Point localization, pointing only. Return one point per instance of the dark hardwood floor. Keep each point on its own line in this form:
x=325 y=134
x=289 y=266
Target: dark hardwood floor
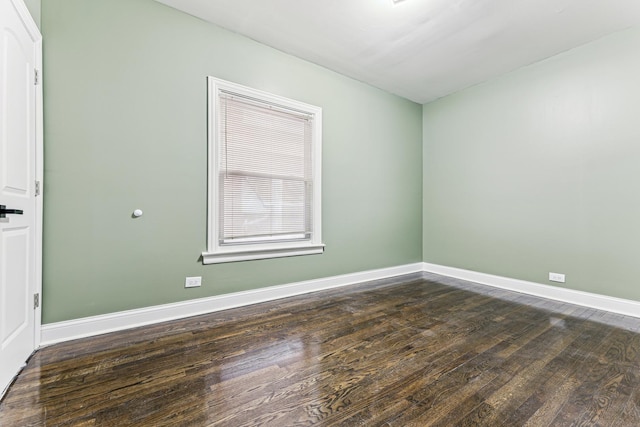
x=419 y=350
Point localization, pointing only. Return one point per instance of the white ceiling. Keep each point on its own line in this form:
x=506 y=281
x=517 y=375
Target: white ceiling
x=419 y=49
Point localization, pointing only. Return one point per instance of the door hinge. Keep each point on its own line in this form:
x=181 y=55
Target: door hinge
x=37 y=188
x=36 y=301
x=36 y=76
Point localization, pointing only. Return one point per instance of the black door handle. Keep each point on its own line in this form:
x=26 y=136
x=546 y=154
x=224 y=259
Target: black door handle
x=4 y=211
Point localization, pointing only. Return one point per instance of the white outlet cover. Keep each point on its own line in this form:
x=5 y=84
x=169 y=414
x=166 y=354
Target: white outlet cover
x=192 y=282
x=556 y=277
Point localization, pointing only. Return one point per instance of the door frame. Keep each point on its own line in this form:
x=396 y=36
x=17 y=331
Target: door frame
x=39 y=175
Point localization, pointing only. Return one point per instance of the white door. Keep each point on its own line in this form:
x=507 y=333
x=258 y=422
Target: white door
x=19 y=56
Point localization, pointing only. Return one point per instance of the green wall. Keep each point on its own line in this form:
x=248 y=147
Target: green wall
x=531 y=172
x=539 y=171
x=125 y=128
x=34 y=10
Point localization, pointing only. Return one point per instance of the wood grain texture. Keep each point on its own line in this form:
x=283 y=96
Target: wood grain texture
x=419 y=350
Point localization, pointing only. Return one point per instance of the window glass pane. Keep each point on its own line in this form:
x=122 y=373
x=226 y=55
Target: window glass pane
x=262 y=207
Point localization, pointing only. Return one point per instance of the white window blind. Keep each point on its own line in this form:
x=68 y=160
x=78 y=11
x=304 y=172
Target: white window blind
x=265 y=171
x=264 y=175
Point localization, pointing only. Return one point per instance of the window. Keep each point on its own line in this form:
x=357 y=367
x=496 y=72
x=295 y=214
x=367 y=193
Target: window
x=264 y=175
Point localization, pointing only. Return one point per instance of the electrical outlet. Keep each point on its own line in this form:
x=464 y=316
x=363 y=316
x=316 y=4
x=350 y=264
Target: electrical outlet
x=192 y=282
x=556 y=277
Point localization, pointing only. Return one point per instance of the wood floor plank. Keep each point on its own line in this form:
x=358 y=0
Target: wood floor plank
x=519 y=368
x=421 y=350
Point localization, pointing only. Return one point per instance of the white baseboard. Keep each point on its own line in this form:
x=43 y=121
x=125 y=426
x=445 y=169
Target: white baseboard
x=95 y=325
x=600 y=302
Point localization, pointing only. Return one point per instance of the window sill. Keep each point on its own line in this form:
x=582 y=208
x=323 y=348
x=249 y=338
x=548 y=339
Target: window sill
x=265 y=253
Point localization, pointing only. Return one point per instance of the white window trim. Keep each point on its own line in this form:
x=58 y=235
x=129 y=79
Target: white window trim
x=217 y=253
